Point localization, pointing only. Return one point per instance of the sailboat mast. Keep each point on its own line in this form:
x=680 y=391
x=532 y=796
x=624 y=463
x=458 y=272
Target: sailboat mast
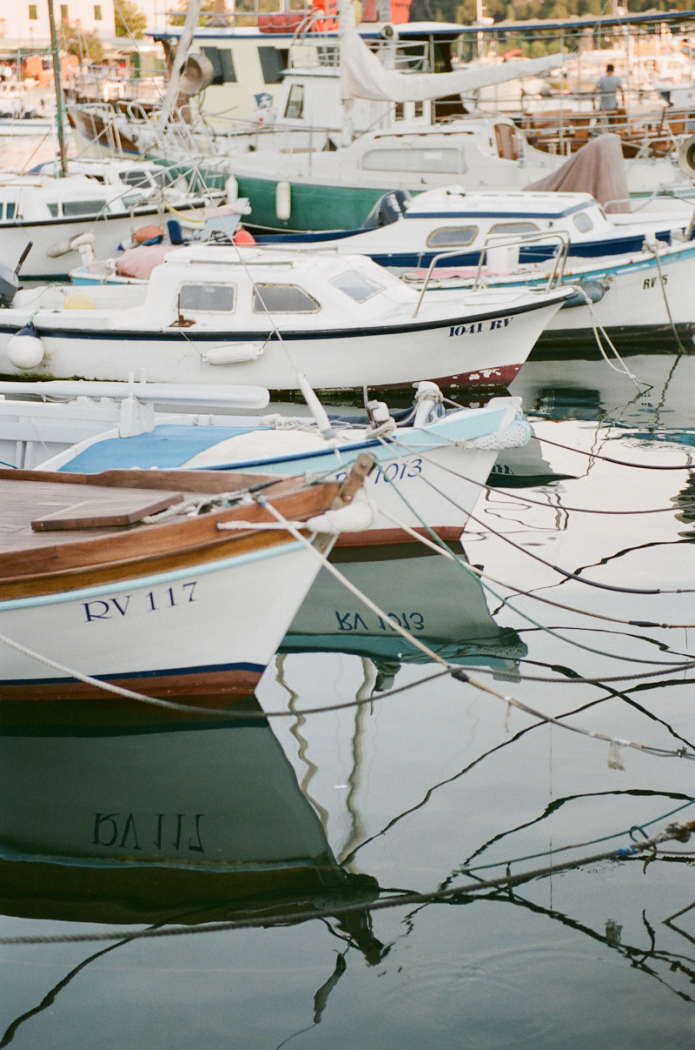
x=60 y=101
x=172 y=91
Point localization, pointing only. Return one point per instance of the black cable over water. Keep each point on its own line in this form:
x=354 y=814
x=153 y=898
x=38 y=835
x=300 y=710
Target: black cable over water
x=677 y=832
x=608 y=459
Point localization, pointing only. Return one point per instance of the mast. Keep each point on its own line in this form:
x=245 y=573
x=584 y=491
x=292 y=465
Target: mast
x=60 y=101
x=172 y=92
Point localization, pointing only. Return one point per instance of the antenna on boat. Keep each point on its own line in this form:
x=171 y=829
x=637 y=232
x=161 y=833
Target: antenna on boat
x=60 y=101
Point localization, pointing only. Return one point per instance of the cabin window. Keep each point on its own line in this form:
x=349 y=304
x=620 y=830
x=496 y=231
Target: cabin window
x=135 y=178
x=514 y=228
x=419 y=109
x=447 y=160
x=356 y=285
x=294 y=110
x=9 y=213
x=400 y=111
x=53 y=209
x=452 y=237
x=78 y=208
x=222 y=64
x=283 y=299
x=211 y=298
x=583 y=222
x=274 y=61
x=2 y=208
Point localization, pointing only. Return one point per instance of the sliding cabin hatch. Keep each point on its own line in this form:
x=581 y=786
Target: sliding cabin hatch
x=119 y=509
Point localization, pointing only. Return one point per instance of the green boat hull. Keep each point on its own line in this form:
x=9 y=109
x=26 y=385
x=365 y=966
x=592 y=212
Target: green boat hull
x=312 y=207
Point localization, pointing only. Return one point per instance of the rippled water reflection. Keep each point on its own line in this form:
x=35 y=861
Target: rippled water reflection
x=113 y=818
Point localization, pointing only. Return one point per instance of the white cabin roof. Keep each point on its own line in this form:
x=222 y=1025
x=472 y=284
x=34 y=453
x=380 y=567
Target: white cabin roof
x=455 y=202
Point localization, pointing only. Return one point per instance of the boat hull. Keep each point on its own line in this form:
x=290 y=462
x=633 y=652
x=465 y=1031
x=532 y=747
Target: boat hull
x=480 y=348
x=207 y=629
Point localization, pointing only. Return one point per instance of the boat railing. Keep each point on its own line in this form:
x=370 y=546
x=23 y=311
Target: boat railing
x=556 y=274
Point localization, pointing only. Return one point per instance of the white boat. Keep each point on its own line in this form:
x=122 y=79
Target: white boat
x=93 y=582
x=121 y=814
x=244 y=315
x=439 y=602
x=431 y=468
x=50 y=213
x=427 y=228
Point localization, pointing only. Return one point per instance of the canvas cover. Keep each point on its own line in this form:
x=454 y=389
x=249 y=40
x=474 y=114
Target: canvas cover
x=363 y=75
x=597 y=168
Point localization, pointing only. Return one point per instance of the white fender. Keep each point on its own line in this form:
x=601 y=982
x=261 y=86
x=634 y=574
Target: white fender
x=233 y=353
x=25 y=349
x=283 y=201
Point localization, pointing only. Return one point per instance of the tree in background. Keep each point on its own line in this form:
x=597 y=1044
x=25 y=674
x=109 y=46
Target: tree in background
x=130 y=21
x=75 y=41
x=520 y=10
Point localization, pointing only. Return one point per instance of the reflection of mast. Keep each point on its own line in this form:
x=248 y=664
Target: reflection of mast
x=302 y=742
x=356 y=826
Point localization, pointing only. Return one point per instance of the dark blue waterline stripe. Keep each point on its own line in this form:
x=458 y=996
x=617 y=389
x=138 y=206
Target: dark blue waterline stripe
x=123 y=675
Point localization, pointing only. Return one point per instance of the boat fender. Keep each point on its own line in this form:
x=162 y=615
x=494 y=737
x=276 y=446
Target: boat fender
x=127 y=244
x=231 y=190
x=78 y=301
x=283 y=201
x=686 y=156
x=233 y=353
x=61 y=248
x=593 y=290
x=357 y=516
x=25 y=349
x=175 y=231
x=148 y=235
x=428 y=398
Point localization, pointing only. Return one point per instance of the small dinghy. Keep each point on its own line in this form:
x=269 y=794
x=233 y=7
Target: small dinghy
x=135 y=578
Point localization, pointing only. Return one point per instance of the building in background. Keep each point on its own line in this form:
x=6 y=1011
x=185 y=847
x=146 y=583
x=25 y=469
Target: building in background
x=24 y=25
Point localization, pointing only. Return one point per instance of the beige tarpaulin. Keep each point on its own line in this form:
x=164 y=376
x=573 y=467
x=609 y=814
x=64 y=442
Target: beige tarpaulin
x=597 y=168
x=363 y=75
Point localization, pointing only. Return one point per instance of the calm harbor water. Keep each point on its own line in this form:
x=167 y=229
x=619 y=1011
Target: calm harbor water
x=117 y=819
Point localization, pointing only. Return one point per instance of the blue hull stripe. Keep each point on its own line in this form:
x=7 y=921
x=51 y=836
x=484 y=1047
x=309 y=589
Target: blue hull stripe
x=168 y=672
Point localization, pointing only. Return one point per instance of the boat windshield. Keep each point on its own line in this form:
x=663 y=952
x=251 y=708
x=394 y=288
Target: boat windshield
x=213 y=298
x=283 y=299
x=356 y=285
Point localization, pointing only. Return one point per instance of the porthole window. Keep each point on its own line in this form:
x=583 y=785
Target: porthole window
x=211 y=298
x=452 y=237
x=583 y=222
x=356 y=285
x=283 y=299
x=514 y=227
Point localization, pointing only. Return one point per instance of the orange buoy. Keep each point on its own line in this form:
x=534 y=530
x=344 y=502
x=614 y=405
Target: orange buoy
x=146 y=233
x=243 y=237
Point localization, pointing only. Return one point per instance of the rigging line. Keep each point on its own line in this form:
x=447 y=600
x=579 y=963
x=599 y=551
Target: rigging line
x=441 y=548
x=654 y=249
x=462 y=772
x=450 y=554
x=530 y=554
x=678 y=832
x=525 y=499
x=457 y=672
x=171 y=705
x=615 y=462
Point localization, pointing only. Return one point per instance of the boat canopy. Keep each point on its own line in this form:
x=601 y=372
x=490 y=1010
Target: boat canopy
x=597 y=168
x=364 y=76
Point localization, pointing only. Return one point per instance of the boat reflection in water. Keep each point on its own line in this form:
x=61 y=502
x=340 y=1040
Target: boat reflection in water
x=122 y=815
x=434 y=598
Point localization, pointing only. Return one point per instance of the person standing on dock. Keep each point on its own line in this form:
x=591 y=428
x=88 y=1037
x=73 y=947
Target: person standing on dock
x=608 y=87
